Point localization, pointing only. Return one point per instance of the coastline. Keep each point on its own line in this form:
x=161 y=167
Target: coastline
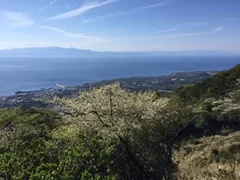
x=165 y=84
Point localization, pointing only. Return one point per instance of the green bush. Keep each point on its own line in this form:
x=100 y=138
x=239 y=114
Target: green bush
x=214 y=87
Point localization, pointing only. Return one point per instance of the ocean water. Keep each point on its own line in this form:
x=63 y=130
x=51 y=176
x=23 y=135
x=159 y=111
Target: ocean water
x=36 y=73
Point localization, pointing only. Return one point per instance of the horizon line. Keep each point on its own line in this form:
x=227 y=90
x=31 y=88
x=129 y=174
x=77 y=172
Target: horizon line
x=134 y=51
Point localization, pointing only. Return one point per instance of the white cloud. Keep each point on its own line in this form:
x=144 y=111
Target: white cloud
x=232 y=19
x=17 y=19
x=24 y=44
x=159 y=46
x=127 y=12
x=218 y=29
x=169 y=30
x=48 y=5
x=174 y=36
x=112 y=32
x=67 y=34
x=94 y=39
x=153 y=5
x=181 y=35
x=107 y=16
x=199 y=24
x=83 y=9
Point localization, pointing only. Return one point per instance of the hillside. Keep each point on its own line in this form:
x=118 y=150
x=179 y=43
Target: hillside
x=111 y=133
x=213 y=152
x=210 y=158
x=217 y=86
x=215 y=101
x=47 y=52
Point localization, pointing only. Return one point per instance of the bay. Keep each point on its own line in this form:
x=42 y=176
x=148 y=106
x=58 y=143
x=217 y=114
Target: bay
x=36 y=73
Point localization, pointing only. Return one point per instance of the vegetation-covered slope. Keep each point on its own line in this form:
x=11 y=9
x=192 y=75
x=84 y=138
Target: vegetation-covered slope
x=106 y=133
x=210 y=158
x=216 y=154
x=217 y=86
x=111 y=133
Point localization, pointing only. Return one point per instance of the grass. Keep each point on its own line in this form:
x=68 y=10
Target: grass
x=210 y=158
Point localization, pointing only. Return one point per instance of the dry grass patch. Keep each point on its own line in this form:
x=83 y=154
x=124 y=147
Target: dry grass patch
x=210 y=158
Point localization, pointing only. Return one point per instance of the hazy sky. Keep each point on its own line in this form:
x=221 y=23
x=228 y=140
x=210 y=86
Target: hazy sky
x=121 y=25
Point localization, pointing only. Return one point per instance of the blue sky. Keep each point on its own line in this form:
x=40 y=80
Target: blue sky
x=121 y=25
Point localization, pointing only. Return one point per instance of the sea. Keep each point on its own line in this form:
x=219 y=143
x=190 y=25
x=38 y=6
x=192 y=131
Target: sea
x=34 y=73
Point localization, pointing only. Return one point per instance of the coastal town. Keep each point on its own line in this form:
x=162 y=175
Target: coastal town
x=164 y=84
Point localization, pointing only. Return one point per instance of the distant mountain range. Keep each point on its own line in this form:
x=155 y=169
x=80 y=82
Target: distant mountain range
x=58 y=51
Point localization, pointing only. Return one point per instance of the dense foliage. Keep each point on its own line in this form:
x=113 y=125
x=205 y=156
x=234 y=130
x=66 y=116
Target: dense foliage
x=106 y=133
x=30 y=149
x=111 y=133
x=216 y=86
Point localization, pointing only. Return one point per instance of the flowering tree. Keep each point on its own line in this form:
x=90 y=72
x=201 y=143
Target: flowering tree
x=142 y=124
